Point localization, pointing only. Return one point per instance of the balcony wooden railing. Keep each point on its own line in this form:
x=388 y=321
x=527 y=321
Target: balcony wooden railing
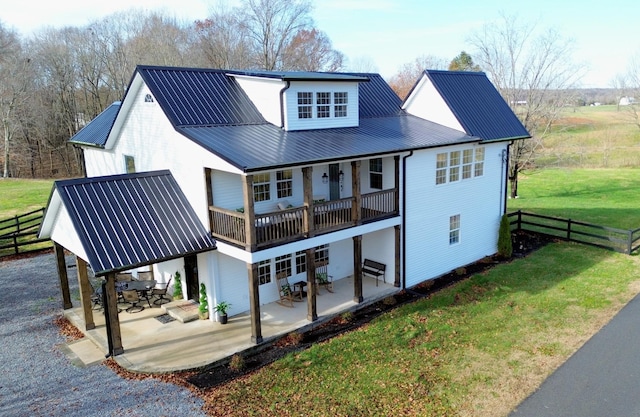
x=288 y=225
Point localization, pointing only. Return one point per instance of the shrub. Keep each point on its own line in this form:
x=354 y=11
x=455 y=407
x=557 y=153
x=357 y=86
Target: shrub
x=204 y=303
x=505 y=248
x=237 y=362
x=177 y=285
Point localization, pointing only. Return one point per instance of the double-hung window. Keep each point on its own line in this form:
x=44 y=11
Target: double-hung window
x=261 y=187
x=375 y=173
x=284 y=183
x=283 y=264
x=458 y=165
x=305 y=105
x=340 y=101
x=454 y=229
x=264 y=271
x=323 y=101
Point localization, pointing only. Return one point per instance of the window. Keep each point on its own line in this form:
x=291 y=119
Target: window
x=323 y=100
x=284 y=183
x=305 y=105
x=129 y=164
x=479 y=163
x=301 y=262
x=261 y=187
x=375 y=173
x=148 y=98
x=454 y=229
x=322 y=254
x=456 y=165
x=264 y=272
x=340 y=101
x=283 y=264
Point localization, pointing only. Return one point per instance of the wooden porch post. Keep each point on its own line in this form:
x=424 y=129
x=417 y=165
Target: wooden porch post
x=85 y=293
x=254 y=301
x=62 y=275
x=356 y=212
x=207 y=181
x=113 y=322
x=357 y=269
x=312 y=310
x=397 y=246
x=249 y=214
x=396 y=184
x=307 y=187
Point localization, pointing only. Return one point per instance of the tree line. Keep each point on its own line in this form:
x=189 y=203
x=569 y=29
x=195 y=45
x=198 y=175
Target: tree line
x=56 y=80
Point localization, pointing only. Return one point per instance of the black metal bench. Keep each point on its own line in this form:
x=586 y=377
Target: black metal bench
x=375 y=269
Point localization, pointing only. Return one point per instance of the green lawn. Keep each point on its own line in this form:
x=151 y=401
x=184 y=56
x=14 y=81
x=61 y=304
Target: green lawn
x=474 y=349
x=607 y=197
x=21 y=196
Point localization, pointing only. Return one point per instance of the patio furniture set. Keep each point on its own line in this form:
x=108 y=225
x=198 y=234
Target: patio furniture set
x=133 y=291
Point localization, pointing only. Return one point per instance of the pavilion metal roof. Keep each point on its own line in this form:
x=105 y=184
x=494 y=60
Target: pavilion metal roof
x=130 y=220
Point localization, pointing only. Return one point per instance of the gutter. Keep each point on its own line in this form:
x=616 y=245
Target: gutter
x=285 y=88
x=404 y=219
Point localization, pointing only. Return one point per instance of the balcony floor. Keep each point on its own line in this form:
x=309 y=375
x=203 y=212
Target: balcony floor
x=151 y=346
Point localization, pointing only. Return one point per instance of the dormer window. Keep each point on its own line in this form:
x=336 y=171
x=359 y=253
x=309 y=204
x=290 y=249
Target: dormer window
x=323 y=100
x=340 y=101
x=325 y=105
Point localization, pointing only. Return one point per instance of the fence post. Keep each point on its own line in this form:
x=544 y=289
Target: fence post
x=568 y=229
x=519 y=219
x=15 y=244
x=17 y=224
x=630 y=242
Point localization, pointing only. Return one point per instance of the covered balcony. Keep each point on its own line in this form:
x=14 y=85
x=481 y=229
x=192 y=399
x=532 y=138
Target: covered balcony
x=254 y=231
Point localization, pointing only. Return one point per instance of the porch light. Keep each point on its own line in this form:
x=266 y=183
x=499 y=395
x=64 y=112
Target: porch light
x=341 y=177
x=325 y=178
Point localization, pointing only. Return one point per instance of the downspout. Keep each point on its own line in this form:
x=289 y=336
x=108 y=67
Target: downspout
x=285 y=88
x=404 y=219
x=505 y=161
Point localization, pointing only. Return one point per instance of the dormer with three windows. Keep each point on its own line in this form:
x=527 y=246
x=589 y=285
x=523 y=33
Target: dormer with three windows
x=304 y=101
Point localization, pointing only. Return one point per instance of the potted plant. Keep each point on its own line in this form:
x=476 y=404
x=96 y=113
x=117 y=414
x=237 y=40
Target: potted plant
x=177 y=287
x=221 y=308
x=203 y=308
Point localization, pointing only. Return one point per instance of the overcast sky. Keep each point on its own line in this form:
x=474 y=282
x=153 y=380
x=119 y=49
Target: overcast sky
x=394 y=32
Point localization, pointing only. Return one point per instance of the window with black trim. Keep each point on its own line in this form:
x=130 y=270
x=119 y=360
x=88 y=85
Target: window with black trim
x=375 y=173
x=322 y=254
x=264 y=272
x=283 y=264
x=284 y=183
x=301 y=262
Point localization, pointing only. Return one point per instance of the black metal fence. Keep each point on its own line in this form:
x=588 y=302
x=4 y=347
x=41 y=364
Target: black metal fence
x=619 y=240
x=19 y=234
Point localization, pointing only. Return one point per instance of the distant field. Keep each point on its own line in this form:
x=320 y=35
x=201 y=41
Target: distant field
x=592 y=137
x=18 y=196
x=606 y=197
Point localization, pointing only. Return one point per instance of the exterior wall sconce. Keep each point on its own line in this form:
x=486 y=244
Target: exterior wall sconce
x=325 y=178
x=341 y=177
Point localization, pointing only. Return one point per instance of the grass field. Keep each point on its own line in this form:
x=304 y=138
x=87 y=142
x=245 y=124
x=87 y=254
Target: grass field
x=593 y=137
x=606 y=197
x=20 y=196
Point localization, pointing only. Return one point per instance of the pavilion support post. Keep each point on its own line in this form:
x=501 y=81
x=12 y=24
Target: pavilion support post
x=312 y=289
x=249 y=214
x=396 y=282
x=85 y=293
x=357 y=269
x=254 y=301
x=112 y=320
x=62 y=275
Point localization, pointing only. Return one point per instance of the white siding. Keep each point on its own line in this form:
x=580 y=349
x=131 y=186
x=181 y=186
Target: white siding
x=292 y=122
x=427 y=103
x=478 y=201
x=265 y=94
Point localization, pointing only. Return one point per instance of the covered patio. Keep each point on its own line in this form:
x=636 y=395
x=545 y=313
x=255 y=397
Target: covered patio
x=153 y=346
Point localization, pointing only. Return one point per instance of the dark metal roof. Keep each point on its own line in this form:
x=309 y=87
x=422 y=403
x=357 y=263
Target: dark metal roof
x=200 y=97
x=130 y=220
x=258 y=147
x=303 y=75
x=95 y=133
x=376 y=98
x=477 y=105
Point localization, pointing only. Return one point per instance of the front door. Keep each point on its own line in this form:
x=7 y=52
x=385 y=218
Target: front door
x=191 y=275
x=334 y=182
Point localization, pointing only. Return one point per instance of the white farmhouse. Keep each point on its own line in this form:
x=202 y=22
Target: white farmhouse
x=287 y=171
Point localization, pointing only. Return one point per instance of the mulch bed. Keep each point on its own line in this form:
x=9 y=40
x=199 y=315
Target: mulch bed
x=220 y=373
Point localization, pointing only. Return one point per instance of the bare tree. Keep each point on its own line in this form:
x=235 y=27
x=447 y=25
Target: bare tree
x=628 y=85
x=272 y=26
x=404 y=80
x=311 y=50
x=533 y=72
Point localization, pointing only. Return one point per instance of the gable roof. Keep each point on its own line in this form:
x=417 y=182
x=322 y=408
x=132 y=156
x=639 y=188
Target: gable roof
x=477 y=105
x=130 y=220
x=97 y=131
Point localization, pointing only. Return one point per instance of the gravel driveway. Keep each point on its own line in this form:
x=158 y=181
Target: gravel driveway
x=37 y=379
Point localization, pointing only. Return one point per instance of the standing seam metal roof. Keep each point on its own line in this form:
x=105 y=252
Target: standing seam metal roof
x=97 y=130
x=130 y=220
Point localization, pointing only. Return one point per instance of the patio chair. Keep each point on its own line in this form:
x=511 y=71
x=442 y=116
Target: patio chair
x=161 y=293
x=96 y=299
x=287 y=293
x=124 y=276
x=323 y=279
x=145 y=275
x=132 y=297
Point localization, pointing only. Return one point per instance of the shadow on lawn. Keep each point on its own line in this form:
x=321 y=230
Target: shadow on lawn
x=221 y=372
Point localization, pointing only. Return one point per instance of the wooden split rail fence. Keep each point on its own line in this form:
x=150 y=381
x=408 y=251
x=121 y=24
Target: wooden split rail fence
x=619 y=240
x=19 y=234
